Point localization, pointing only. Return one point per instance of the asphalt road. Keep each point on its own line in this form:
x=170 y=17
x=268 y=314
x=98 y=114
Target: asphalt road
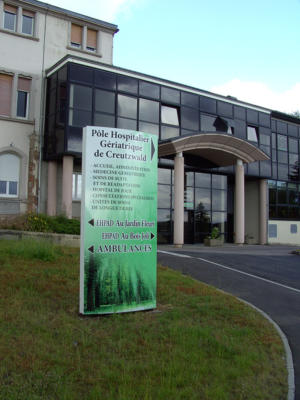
x=266 y=276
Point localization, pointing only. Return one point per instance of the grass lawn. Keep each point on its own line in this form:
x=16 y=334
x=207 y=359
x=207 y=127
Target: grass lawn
x=198 y=344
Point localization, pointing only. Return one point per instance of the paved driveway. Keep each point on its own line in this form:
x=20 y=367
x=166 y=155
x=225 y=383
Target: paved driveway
x=266 y=276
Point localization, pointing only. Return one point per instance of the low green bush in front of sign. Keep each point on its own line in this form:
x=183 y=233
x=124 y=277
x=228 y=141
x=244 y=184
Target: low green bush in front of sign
x=42 y=223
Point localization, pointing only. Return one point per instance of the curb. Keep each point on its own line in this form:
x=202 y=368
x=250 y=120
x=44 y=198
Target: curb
x=60 y=239
x=288 y=352
x=287 y=349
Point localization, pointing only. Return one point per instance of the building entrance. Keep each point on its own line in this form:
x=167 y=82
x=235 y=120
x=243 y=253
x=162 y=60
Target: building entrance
x=205 y=205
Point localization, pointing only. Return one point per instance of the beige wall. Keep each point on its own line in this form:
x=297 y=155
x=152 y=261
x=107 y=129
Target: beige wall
x=17 y=137
x=31 y=56
x=75 y=204
x=284 y=235
x=252 y=209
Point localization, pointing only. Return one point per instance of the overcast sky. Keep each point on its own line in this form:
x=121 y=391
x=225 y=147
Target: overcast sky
x=246 y=49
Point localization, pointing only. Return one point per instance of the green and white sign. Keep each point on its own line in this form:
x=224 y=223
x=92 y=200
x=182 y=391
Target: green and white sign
x=118 y=221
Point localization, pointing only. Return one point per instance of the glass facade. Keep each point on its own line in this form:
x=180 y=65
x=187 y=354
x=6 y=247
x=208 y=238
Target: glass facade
x=80 y=95
x=284 y=200
x=205 y=204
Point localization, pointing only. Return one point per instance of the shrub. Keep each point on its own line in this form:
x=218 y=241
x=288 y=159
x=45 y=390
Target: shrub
x=215 y=233
x=37 y=223
x=42 y=223
x=61 y=224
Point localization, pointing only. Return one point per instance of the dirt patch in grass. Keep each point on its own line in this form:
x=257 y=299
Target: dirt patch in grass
x=198 y=344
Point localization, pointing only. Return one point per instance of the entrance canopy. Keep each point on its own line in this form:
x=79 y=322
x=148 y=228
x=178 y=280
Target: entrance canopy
x=221 y=149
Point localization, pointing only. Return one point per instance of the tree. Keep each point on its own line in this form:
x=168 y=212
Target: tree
x=296 y=114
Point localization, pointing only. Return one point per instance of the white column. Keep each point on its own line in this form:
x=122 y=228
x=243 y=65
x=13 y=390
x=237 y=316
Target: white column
x=263 y=208
x=52 y=177
x=19 y=19
x=67 y=179
x=14 y=95
x=98 y=50
x=1 y=14
x=84 y=37
x=239 y=206
x=179 y=200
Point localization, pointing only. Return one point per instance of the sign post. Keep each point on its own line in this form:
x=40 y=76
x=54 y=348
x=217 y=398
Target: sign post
x=118 y=221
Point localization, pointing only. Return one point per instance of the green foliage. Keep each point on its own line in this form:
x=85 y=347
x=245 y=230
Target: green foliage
x=37 y=223
x=215 y=233
x=296 y=114
x=61 y=224
x=43 y=223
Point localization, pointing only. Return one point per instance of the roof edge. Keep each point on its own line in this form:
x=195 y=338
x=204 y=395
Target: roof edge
x=286 y=117
x=237 y=147
x=157 y=80
x=72 y=14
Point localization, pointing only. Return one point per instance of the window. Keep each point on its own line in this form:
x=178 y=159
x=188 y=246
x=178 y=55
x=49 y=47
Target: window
x=149 y=111
x=265 y=143
x=163 y=196
x=164 y=176
x=284 y=199
x=208 y=123
x=252 y=134
x=5 y=94
x=24 y=85
x=293 y=145
x=222 y=125
x=282 y=142
x=27 y=22
x=12 y=23
x=22 y=98
x=9 y=175
x=76 y=187
x=170 y=115
x=203 y=199
x=83 y=38
x=149 y=90
x=189 y=118
x=169 y=95
x=76 y=36
x=148 y=127
x=127 y=84
x=127 y=106
x=91 y=43
x=80 y=106
x=104 y=101
x=168 y=132
x=10 y=17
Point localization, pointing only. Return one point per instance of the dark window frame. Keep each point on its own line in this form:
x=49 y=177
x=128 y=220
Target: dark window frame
x=251 y=129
